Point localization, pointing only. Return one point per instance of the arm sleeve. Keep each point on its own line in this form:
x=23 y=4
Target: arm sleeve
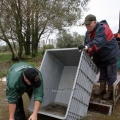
x=12 y=95
x=38 y=92
x=103 y=36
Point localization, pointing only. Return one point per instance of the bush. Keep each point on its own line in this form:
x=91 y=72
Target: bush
x=49 y=46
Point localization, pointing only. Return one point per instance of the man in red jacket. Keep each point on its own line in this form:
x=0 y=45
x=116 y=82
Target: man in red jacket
x=101 y=44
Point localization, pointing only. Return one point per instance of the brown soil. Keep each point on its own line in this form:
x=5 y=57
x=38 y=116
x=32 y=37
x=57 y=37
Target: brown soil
x=115 y=115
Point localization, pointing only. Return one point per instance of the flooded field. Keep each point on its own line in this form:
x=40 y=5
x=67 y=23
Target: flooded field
x=90 y=116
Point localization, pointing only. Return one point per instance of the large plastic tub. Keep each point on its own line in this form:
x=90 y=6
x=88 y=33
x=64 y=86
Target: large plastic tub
x=68 y=78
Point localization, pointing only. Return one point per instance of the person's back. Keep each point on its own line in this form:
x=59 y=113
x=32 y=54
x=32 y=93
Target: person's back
x=14 y=76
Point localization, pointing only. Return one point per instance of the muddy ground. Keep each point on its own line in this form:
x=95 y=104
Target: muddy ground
x=115 y=115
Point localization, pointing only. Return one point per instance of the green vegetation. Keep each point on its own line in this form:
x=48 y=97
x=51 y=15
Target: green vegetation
x=23 y=23
x=5 y=57
x=68 y=40
x=5 y=61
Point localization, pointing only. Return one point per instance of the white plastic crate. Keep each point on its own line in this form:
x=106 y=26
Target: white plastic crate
x=116 y=90
x=68 y=77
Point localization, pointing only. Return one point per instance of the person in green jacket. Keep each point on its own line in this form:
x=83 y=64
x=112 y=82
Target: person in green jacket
x=22 y=78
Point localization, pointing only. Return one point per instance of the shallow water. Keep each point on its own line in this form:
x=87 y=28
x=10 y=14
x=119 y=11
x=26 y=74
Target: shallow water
x=115 y=115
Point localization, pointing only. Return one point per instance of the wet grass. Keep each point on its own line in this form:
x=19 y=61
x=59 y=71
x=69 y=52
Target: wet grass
x=5 y=57
x=5 y=62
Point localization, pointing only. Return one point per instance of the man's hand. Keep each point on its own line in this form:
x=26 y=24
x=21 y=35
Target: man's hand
x=81 y=47
x=33 y=117
x=35 y=111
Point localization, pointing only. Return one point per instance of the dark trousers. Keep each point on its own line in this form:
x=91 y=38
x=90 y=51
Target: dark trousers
x=108 y=73
x=19 y=112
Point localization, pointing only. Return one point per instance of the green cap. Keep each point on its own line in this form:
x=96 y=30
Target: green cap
x=89 y=18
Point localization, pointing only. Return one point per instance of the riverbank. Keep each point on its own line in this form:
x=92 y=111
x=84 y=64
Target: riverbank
x=115 y=115
x=6 y=63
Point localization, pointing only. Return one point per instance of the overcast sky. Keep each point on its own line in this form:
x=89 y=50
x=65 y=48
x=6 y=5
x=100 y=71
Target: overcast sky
x=103 y=10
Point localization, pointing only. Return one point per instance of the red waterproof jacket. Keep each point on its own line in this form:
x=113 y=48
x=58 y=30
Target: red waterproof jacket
x=102 y=44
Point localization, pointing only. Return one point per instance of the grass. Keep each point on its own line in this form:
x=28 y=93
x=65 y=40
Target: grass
x=5 y=57
x=5 y=62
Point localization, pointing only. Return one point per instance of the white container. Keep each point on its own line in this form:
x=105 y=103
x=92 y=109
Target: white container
x=68 y=77
x=116 y=90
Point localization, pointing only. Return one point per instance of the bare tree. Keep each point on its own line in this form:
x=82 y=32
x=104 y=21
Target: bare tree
x=27 y=21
